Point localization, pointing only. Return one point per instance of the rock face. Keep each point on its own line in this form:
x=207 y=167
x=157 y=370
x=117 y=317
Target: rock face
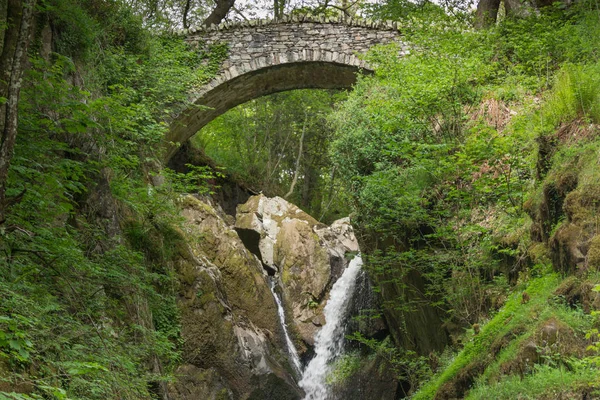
x=305 y=255
x=373 y=380
x=233 y=343
x=230 y=329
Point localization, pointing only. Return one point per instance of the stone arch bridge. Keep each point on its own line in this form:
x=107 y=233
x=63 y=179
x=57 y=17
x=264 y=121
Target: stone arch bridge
x=266 y=57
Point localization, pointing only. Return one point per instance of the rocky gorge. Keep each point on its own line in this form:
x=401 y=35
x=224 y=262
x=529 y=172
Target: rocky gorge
x=234 y=345
x=436 y=235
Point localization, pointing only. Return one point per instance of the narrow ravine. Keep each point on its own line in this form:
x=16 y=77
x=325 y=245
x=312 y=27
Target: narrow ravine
x=292 y=351
x=330 y=339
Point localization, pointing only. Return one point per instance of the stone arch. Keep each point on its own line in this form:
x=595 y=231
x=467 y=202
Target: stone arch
x=267 y=57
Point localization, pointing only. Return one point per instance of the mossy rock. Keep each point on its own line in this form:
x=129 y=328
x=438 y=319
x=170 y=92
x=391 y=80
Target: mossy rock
x=249 y=206
x=539 y=253
x=552 y=339
x=362 y=377
x=187 y=273
x=242 y=280
x=593 y=254
x=194 y=383
x=582 y=205
x=577 y=292
x=196 y=204
x=565 y=248
x=462 y=382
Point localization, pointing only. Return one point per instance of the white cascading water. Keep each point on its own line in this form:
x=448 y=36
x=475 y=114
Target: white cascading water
x=290 y=345
x=329 y=340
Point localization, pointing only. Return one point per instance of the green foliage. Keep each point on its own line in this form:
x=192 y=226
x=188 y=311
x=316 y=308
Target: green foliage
x=574 y=95
x=544 y=382
x=214 y=57
x=258 y=143
x=439 y=188
x=439 y=152
x=344 y=368
x=593 y=336
x=87 y=287
x=13 y=339
x=196 y=180
x=511 y=317
x=75 y=27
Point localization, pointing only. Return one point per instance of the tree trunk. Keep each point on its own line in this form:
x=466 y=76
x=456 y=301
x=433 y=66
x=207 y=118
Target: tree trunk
x=220 y=11
x=297 y=171
x=310 y=190
x=487 y=12
x=3 y=16
x=518 y=8
x=186 y=11
x=278 y=8
x=19 y=17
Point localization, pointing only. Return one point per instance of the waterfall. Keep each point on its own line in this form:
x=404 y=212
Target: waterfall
x=329 y=340
x=290 y=344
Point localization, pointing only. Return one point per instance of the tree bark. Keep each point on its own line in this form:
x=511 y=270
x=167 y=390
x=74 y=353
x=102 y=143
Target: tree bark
x=219 y=12
x=186 y=11
x=3 y=16
x=518 y=8
x=297 y=171
x=487 y=12
x=278 y=8
x=19 y=19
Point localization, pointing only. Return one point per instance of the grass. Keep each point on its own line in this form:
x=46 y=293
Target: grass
x=500 y=342
x=512 y=317
x=576 y=93
x=544 y=383
x=509 y=353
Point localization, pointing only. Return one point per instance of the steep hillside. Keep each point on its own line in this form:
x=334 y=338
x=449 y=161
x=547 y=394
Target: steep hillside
x=474 y=165
x=470 y=166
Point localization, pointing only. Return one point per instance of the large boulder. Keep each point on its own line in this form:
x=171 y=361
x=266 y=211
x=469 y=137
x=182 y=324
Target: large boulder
x=231 y=334
x=306 y=255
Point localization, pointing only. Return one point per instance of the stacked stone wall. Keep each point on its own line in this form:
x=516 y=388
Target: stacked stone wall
x=266 y=57
x=258 y=44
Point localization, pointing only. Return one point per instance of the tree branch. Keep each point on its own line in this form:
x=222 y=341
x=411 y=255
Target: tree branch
x=238 y=12
x=219 y=12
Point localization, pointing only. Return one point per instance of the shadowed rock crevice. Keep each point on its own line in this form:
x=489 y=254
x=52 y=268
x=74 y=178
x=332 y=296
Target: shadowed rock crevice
x=251 y=240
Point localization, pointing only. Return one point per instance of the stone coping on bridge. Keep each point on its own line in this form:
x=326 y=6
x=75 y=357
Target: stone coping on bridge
x=300 y=18
x=271 y=56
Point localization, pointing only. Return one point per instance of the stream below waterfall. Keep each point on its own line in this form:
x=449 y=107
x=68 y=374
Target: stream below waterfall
x=330 y=339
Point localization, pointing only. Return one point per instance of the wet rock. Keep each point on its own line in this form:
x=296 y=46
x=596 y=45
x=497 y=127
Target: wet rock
x=365 y=311
x=307 y=256
x=228 y=315
x=373 y=380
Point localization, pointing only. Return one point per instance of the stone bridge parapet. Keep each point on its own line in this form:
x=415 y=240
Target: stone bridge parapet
x=269 y=56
